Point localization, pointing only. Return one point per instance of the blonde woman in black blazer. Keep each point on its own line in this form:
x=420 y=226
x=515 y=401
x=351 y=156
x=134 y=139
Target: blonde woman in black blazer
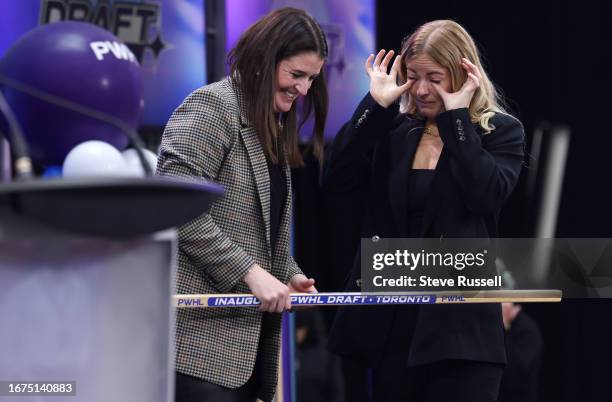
x=440 y=163
x=241 y=132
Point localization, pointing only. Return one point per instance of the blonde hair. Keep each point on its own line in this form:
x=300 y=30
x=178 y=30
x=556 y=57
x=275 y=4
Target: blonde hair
x=446 y=42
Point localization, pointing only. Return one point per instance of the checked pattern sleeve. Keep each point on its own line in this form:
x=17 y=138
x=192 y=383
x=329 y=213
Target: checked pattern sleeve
x=196 y=142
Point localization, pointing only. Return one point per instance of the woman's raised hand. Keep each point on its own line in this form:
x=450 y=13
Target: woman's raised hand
x=463 y=97
x=383 y=85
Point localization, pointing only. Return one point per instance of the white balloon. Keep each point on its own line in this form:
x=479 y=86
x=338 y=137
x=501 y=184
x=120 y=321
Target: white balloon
x=134 y=164
x=94 y=158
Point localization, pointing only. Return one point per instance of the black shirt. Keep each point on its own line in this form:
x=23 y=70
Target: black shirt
x=405 y=316
x=419 y=182
x=278 y=193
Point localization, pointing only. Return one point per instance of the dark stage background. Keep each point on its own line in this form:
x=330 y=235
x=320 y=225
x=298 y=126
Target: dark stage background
x=552 y=60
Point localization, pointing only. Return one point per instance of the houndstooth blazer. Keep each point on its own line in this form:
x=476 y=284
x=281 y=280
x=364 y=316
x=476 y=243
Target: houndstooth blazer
x=210 y=137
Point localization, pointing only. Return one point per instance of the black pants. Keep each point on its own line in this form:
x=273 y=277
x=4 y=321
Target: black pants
x=192 y=389
x=456 y=380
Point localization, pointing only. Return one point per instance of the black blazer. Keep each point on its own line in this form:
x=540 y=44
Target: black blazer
x=372 y=157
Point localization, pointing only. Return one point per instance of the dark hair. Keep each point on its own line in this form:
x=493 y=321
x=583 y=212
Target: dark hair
x=279 y=35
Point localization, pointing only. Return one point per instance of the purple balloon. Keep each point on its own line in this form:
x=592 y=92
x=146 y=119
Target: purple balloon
x=79 y=62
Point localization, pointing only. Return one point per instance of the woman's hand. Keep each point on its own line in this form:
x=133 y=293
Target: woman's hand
x=272 y=293
x=509 y=312
x=301 y=284
x=463 y=97
x=383 y=85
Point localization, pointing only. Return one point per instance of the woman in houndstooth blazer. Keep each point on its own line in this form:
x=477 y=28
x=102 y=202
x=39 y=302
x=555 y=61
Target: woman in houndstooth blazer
x=242 y=133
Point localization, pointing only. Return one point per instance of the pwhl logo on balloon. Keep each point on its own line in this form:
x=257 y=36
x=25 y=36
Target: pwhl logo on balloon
x=119 y=50
x=136 y=24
